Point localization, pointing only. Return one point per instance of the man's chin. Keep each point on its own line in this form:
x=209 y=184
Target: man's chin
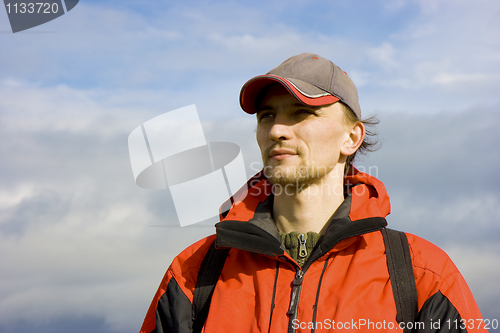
x=294 y=176
x=289 y=176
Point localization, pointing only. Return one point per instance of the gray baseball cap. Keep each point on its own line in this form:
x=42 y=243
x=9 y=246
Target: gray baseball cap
x=311 y=79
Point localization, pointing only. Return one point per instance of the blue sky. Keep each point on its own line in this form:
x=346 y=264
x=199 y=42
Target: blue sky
x=79 y=242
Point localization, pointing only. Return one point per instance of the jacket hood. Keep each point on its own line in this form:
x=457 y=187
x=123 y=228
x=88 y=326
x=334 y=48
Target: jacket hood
x=369 y=197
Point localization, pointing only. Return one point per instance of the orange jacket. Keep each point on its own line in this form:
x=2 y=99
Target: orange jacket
x=344 y=285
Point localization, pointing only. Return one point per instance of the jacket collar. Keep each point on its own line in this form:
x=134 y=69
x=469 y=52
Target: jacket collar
x=248 y=224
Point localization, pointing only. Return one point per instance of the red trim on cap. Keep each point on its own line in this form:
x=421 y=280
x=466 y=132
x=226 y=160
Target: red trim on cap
x=318 y=101
x=248 y=107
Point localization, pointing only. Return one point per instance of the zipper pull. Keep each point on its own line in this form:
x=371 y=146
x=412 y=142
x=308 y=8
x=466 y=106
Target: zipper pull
x=302 y=246
x=294 y=301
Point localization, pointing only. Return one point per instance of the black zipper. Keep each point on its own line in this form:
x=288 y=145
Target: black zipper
x=299 y=277
x=294 y=301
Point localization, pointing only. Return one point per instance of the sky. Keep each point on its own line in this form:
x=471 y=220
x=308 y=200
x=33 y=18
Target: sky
x=83 y=248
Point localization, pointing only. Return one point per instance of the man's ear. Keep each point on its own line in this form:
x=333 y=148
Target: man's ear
x=355 y=139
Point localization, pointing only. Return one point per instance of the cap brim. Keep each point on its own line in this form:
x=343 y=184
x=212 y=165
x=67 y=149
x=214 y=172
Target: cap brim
x=303 y=91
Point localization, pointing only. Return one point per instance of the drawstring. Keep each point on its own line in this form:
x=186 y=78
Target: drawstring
x=274 y=294
x=317 y=293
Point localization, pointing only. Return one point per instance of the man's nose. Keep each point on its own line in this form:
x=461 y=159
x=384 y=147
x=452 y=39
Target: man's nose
x=280 y=131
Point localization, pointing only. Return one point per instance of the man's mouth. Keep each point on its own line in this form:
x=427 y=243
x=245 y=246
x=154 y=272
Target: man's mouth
x=281 y=153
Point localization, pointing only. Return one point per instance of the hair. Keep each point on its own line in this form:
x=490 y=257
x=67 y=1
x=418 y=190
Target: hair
x=370 y=142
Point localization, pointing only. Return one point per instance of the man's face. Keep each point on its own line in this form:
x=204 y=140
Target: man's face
x=300 y=144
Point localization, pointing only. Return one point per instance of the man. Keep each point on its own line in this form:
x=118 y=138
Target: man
x=306 y=241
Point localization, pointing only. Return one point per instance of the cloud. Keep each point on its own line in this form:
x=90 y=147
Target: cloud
x=478 y=265
x=75 y=231
x=440 y=171
x=206 y=52
x=383 y=55
x=77 y=324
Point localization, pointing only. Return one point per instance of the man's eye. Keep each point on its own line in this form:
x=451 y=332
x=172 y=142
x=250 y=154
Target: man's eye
x=304 y=112
x=265 y=115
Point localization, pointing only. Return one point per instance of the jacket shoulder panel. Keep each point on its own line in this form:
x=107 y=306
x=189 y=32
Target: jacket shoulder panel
x=436 y=273
x=172 y=314
x=186 y=265
x=429 y=257
x=180 y=280
x=438 y=312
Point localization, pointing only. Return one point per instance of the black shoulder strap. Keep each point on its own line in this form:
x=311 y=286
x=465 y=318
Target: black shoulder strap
x=209 y=273
x=401 y=275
